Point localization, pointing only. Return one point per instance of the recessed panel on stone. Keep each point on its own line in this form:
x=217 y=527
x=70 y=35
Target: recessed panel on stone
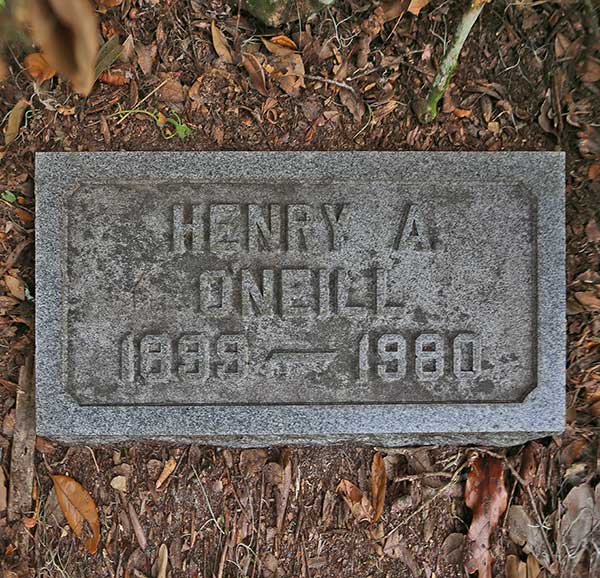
x=250 y=298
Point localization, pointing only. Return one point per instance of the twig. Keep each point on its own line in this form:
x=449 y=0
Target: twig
x=415 y=477
x=428 y=110
x=137 y=104
x=330 y=81
x=23 y=449
x=452 y=481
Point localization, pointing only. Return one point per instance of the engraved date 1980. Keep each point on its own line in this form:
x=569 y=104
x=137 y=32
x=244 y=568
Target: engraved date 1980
x=389 y=357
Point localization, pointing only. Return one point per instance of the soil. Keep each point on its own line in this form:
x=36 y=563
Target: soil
x=526 y=81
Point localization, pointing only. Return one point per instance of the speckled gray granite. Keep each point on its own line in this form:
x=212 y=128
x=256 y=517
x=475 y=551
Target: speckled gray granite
x=257 y=298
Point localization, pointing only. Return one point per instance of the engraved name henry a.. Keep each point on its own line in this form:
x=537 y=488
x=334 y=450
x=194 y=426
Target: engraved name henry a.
x=230 y=228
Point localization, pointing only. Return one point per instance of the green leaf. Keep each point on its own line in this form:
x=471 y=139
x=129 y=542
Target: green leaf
x=108 y=54
x=9 y=196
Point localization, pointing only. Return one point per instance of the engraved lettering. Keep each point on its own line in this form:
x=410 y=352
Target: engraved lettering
x=429 y=357
x=391 y=349
x=215 y=293
x=232 y=356
x=297 y=293
x=193 y=357
x=187 y=234
x=467 y=356
x=225 y=228
x=300 y=228
x=414 y=233
x=257 y=300
x=337 y=219
x=155 y=357
x=264 y=235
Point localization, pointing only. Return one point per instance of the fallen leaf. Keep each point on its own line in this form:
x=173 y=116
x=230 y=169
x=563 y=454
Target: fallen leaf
x=283 y=40
x=171 y=91
x=256 y=72
x=515 y=568
x=67 y=33
x=486 y=496
x=395 y=9
x=415 y=7
x=592 y=230
x=168 y=469
x=107 y=55
x=590 y=71
x=277 y=49
x=146 y=56
x=2 y=490
x=378 y=485
x=576 y=523
x=38 y=68
x=113 y=78
x=461 y=112
x=15 y=118
x=137 y=527
x=220 y=43
x=15 y=286
x=78 y=507
x=119 y=483
x=359 y=504
x=159 y=569
x=394 y=548
x=593 y=171
x=524 y=532
x=453 y=548
x=252 y=461
x=589 y=300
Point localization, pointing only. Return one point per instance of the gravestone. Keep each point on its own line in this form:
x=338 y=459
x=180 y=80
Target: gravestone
x=250 y=298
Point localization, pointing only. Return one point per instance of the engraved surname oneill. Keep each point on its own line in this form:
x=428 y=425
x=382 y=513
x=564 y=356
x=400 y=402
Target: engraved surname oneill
x=292 y=293
x=229 y=228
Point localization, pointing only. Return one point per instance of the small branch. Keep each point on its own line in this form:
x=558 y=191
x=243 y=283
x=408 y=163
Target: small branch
x=428 y=110
x=330 y=81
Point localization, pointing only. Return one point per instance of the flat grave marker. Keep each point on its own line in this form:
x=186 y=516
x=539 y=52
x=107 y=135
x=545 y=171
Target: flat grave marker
x=252 y=298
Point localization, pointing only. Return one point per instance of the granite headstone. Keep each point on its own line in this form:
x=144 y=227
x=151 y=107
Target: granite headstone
x=250 y=298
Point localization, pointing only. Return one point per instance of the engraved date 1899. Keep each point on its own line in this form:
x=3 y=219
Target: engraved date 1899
x=389 y=357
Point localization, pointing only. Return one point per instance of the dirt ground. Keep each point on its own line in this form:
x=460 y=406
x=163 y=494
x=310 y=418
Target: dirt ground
x=527 y=80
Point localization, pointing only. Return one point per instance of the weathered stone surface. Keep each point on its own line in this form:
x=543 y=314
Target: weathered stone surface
x=252 y=298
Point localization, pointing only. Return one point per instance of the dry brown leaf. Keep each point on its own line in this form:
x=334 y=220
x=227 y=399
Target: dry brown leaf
x=515 y=568
x=78 y=507
x=277 y=49
x=359 y=504
x=486 y=496
x=416 y=6
x=590 y=71
x=395 y=9
x=15 y=286
x=38 y=68
x=168 y=469
x=220 y=43
x=67 y=33
x=137 y=527
x=378 y=484
x=15 y=118
x=256 y=72
x=589 y=300
x=252 y=461
x=461 y=112
x=161 y=565
x=3 y=493
x=283 y=40
x=593 y=171
x=113 y=78
x=146 y=56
